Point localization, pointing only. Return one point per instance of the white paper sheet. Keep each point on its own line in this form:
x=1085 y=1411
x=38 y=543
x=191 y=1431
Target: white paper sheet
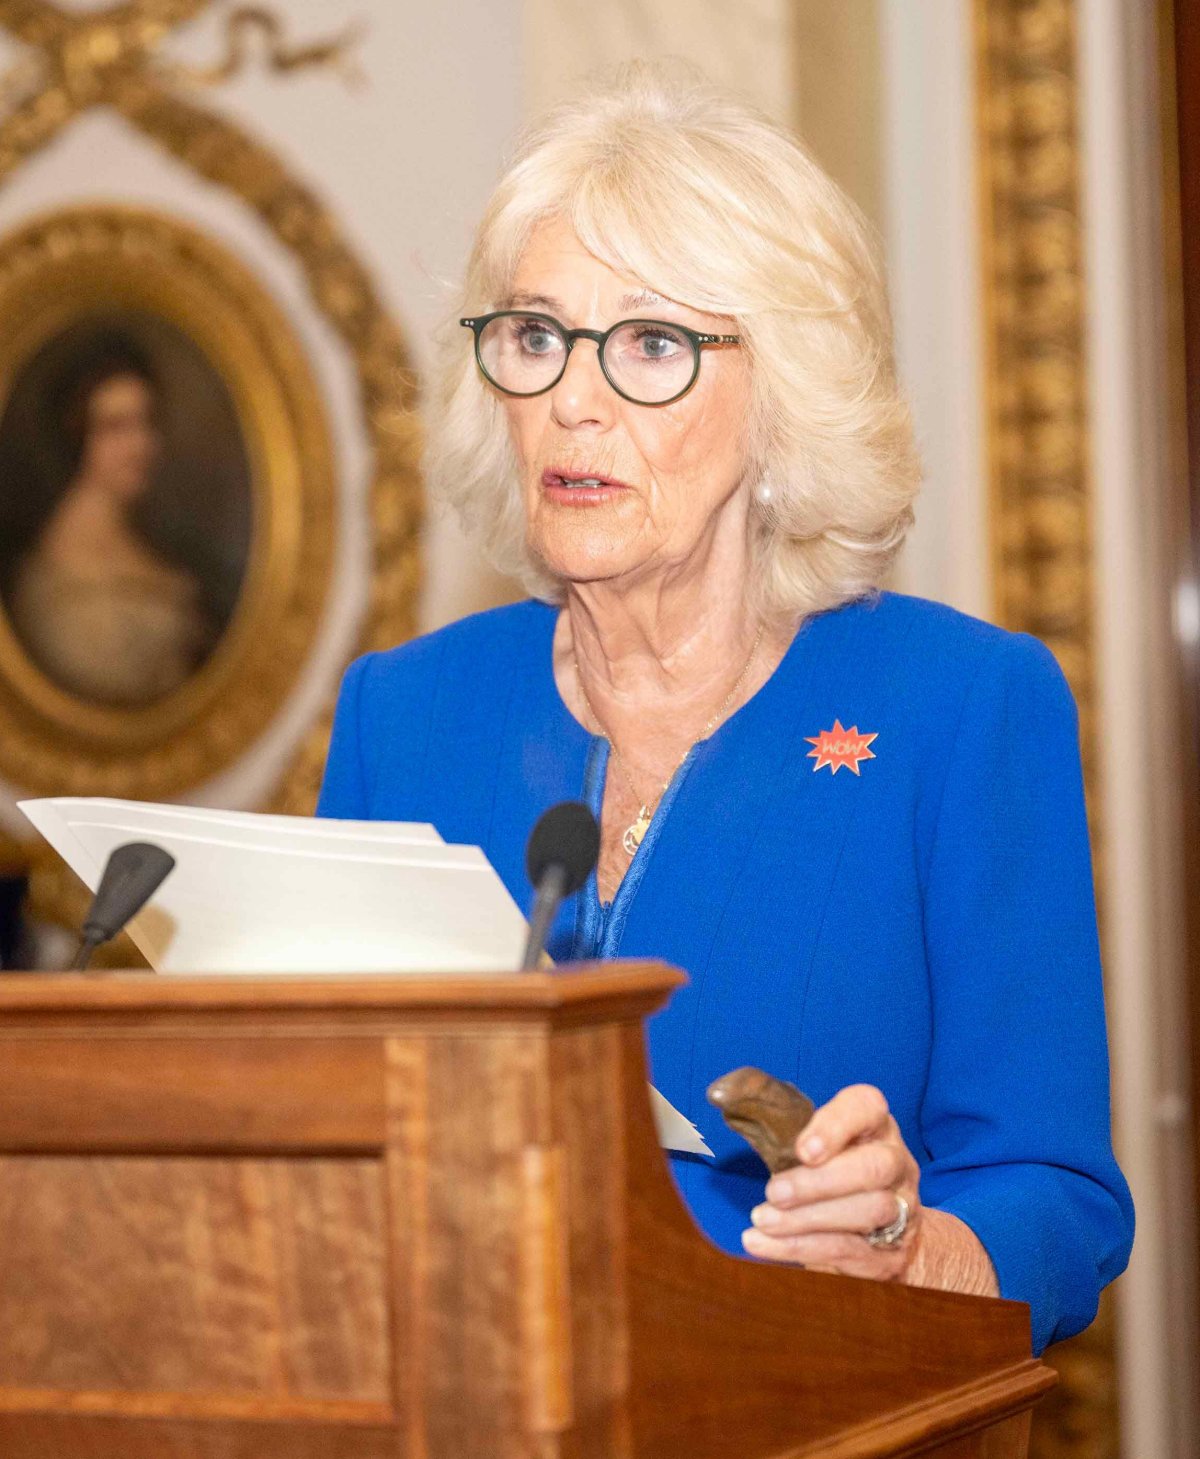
x=254 y=893
x=250 y=894
x=675 y=1131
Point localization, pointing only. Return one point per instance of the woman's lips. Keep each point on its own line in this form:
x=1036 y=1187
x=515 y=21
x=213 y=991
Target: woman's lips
x=579 y=488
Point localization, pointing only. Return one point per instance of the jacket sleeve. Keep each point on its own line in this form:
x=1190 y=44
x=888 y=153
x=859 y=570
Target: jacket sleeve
x=1016 y=1119
x=343 y=790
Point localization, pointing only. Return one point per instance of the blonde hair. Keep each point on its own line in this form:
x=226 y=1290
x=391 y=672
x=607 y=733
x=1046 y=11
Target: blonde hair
x=697 y=195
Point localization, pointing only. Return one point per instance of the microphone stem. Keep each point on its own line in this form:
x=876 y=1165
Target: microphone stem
x=545 y=903
x=88 y=944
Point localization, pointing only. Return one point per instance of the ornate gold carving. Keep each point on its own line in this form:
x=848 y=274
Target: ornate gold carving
x=256 y=20
x=1038 y=458
x=87 y=58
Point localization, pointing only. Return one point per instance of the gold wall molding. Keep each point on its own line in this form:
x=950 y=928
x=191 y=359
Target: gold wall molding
x=1037 y=439
x=83 y=59
x=1034 y=331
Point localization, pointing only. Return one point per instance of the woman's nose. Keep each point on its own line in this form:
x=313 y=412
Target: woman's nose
x=583 y=396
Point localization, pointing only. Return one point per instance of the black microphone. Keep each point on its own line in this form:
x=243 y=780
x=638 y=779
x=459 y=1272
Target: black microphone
x=559 y=858
x=132 y=874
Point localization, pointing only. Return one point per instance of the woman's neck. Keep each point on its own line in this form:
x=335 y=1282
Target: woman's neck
x=648 y=664
x=637 y=652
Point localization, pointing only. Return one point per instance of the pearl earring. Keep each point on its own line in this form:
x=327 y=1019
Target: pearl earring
x=762 y=493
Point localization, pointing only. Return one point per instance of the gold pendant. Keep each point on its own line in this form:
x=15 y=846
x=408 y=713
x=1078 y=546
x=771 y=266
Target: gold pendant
x=634 y=833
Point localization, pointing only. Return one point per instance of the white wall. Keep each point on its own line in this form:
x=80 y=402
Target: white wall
x=748 y=45
x=930 y=209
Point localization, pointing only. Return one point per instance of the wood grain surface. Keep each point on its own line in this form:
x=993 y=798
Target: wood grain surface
x=159 y=1094
x=421 y=1218
x=207 y=1276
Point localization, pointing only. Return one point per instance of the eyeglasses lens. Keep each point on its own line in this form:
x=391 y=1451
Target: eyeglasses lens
x=650 y=363
x=521 y=354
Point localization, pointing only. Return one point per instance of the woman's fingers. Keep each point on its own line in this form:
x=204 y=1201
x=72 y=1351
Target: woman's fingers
x=857 y=1112
x=855 y=1214
x=829 y=1251
x=876 y=1166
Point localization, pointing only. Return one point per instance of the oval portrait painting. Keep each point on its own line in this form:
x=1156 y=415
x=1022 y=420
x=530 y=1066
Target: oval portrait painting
x=126 y=508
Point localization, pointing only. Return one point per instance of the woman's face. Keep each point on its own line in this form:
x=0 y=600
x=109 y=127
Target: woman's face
x=672 y=472
x=122 y=442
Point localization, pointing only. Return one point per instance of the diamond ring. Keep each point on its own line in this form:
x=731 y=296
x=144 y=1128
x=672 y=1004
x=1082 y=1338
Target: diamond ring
x=890 y=1234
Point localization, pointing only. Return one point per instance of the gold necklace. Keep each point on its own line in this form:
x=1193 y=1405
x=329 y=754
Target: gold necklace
x=637 y=828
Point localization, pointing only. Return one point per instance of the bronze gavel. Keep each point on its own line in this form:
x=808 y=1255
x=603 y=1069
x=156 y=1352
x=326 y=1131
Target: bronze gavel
x=768 y=1113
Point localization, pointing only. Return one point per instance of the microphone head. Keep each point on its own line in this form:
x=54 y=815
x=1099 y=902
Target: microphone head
x=566 y=835
x=132 y=874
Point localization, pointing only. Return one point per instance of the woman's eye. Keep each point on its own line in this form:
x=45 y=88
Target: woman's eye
x=656 y=344
x=536 y=338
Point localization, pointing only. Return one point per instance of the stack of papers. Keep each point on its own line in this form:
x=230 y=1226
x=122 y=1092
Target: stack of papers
x=263 y=894
x=272 y=894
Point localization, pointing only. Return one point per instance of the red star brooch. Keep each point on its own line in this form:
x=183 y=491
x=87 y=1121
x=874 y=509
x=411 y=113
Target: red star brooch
x=838 y=747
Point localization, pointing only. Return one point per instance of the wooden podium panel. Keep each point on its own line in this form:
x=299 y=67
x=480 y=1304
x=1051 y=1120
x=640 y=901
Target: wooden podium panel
x=231 y=1273
x=243 y=1218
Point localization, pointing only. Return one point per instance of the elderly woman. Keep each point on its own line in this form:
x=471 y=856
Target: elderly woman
x=855 y=818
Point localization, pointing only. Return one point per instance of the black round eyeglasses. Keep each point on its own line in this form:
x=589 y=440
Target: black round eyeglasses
x=646 y=361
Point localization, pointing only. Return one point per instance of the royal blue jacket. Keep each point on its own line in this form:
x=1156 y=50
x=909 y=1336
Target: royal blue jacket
x=922 y=920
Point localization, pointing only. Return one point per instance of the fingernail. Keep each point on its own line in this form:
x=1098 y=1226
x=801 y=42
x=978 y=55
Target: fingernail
x=779 y=1192
x=766 y=1217
x=813 y=1148
x=752 y=1240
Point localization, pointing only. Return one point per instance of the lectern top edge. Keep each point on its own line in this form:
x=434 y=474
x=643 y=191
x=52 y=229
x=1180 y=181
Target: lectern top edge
x=644 y=985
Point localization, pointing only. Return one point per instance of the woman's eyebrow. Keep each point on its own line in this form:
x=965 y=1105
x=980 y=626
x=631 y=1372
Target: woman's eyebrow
x=521 y=300
x=641 y=299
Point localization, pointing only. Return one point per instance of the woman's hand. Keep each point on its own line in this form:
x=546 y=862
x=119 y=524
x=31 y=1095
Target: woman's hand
x=853 y=1167
x=854 y=1164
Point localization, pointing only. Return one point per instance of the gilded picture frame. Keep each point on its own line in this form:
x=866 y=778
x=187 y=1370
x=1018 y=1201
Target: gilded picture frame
x=105 y=262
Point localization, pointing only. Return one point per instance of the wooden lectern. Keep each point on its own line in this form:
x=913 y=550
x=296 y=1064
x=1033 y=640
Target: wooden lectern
x=303 y=1218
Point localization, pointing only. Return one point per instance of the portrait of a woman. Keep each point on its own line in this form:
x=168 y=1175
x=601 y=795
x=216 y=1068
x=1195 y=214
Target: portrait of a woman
x=100 y=611
x=668 y=404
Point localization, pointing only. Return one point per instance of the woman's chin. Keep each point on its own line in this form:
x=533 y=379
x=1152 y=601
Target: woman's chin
x=585 y=562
